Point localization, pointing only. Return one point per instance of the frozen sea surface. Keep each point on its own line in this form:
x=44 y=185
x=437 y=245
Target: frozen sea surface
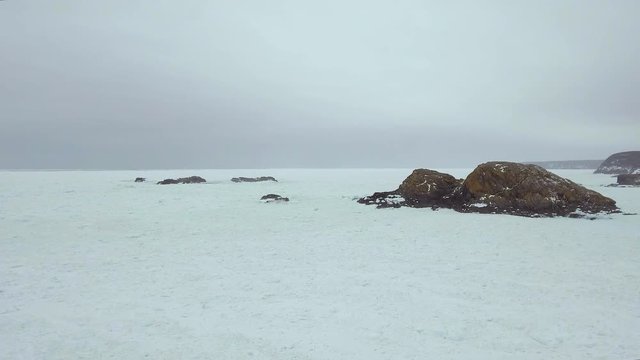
x=94 y=266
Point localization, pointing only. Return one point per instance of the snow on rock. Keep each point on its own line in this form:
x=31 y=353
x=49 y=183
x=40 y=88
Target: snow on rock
x=384 y=200
x=479 y=205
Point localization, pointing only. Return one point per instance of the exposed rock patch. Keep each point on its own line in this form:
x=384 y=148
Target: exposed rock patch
x=496 y=187
x=257 y=179
x=140 y=179
x=187 y=180
x=274 y=198
x=621 y=163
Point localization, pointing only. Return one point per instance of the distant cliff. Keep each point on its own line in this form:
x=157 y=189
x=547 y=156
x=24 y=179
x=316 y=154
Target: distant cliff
x=627 y=162
x=568 y=164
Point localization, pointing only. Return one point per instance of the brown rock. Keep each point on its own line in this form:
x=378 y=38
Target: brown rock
x=426 y=188
x=527 y=190
x=423 y=188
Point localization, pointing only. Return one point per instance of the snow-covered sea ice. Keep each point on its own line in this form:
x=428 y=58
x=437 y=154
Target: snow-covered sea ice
x=93 y=265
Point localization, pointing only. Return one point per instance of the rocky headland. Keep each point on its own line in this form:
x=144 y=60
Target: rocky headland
x=627 y=162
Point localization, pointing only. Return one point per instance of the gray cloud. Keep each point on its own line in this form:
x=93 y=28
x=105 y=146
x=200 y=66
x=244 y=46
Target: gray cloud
x=165 y=84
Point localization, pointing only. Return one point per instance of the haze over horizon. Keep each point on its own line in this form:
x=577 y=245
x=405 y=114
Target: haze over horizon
x=216 y=84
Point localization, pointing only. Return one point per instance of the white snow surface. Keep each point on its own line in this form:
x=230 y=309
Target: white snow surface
x=479 y=205
x=95 y=266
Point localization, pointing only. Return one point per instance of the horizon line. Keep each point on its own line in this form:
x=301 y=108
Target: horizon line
x=283 y=168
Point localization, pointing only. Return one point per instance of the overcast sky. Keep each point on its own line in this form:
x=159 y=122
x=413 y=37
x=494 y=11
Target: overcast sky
x=243 y=84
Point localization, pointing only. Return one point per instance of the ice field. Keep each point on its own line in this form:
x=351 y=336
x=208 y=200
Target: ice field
x=95 y=266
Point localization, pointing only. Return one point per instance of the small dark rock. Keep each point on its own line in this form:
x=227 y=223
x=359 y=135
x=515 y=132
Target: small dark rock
x=141 y=179
x=257 y=179
x=273 y=197
x=187 y=180
x=192 y=180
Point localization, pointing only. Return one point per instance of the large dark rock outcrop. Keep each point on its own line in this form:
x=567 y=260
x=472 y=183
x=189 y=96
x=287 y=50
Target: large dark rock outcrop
x=187 y=180
x=257 y=179
x=499 y=188
x=621 y=163
x=629 y=179
x=527 y=190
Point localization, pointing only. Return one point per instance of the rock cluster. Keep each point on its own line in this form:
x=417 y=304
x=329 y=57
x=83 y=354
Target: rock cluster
x=497 y=188
x=140 y=179
x=257 y=179
x=187 y=180
x=621 y=163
